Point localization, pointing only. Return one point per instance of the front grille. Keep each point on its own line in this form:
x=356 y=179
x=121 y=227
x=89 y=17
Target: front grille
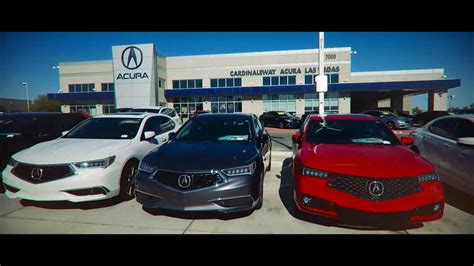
x=48 y=172
x=393 y=188
x=198 y=180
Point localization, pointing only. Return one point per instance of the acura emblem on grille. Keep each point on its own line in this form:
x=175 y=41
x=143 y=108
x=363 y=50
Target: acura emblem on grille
x=36 y=173
x=376 y=188
x=184 y=181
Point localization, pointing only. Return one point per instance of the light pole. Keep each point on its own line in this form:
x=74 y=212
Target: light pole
x=27 y=97
x=451 y=102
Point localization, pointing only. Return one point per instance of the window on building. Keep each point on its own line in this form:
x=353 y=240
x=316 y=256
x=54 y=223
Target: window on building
x=229 y=82
x=107 y=86
x=279 y=102
x=88 y=87
x=283 y=80
x=183 y=84
x=238 y=82
x=331 y=103
x=213 y=83
x=332 y=78
x=186 y=106
x=291 y=80
x=266 y=81
x=275 y=81
x=221 y=83
x=175 y=84
x=162 y=83
x=198 y=83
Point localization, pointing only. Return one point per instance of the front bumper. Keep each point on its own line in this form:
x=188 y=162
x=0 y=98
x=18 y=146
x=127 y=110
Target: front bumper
x=332 y=203
x=237 y=194
x=106 y=180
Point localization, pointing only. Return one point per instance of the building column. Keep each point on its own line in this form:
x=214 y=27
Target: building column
x=396 y=102
x=299 y=104
x=438 y=100
x=407 y=104
x=98 y=109
x=65 y=108
x=206 y=104
x=252 y=104
x=344 y=103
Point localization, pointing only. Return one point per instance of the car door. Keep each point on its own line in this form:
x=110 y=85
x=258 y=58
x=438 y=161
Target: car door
x=460 y=158
x=263 y=144
x=437 y=140
x=145 y=146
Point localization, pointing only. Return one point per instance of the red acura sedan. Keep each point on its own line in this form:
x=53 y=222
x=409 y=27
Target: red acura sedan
x=354 y=169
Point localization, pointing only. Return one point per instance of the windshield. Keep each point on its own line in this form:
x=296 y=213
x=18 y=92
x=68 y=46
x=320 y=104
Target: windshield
x=216 y=129
x=387 y=113
x=16 y=124
x=106 y=128
x=350 y=132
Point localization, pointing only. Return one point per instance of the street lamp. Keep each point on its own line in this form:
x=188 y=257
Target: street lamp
x=27 y=98
x=451 y=102
x=354 y=52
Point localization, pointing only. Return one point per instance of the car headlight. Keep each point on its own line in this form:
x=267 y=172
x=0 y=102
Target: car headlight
x=103 y=163
x=314 y=173
x=144 y=167
x=242 y=170
x=12 y=162
x=434 y=177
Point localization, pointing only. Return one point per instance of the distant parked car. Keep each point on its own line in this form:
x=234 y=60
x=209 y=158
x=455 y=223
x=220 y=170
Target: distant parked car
x=421 y=119
x=122 y=110
x=460 y=112
x=160 y=110
x=19 y=131
x=448 y=143
x=392 y=120
x=280 y=119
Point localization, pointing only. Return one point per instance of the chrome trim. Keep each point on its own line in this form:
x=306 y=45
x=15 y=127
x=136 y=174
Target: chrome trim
x=147 y=194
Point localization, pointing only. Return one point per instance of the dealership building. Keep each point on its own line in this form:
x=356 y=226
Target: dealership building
x=138 y=76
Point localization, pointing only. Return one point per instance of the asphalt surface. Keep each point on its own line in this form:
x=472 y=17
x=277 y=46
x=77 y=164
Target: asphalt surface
x=277 y=216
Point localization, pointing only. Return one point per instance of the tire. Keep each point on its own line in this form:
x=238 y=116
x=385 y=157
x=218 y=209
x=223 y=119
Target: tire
x=260 y=201
x=127 y=179
x=281 y=125
x=270 y=164
x=391 y=125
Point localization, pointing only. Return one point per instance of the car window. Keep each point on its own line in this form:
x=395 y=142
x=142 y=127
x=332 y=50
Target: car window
x=169 y=111
x=159 y=125
x=216 y=129
x=142 y=110
x=443 y=128
x=22 y=125
x=50 y=125
x=69 y=121
x=106 y=128
x=258 y=127
x=464 y=129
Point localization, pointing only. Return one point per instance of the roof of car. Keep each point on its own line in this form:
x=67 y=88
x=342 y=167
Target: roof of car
x=343 y=117
x=204 y=115
x=126 y=115
x=465 y=116
x=149 y=107
x=30 y=114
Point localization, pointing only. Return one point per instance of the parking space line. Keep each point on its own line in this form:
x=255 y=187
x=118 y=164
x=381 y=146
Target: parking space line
x=184 y=232
x=5 y=214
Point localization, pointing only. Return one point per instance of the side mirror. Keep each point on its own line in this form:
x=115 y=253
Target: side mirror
x=65 y=132
x=264 y=138
x=149 y=135
x=407 y=140
x=171 y=135
x=296 y=138
x=466 y=141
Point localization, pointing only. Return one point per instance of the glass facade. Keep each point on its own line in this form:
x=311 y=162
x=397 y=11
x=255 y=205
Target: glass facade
x=226 y=104
x=83 y=108
x=107 y=87
x=108 y=108
x=331 y=103
x=279 y=102
x=89 y=87
x=332 y=78
x=186 y=106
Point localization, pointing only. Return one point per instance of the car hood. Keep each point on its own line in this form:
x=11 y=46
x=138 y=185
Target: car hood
x=365 y=160
x=189 y=156
x=64 y=150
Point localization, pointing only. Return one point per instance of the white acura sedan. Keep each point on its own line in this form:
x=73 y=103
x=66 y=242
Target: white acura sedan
x=96 y=160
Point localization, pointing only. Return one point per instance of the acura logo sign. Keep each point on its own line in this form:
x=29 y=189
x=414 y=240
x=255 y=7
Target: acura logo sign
x=132 y=57
x=184 y=181
x=36 y=173
x=376 y=188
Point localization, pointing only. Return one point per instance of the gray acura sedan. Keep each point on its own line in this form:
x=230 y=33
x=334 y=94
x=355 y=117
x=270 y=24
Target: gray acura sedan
x=448 y=143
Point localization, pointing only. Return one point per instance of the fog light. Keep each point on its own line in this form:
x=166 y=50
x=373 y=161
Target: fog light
x=306 y=200
x=437 y=207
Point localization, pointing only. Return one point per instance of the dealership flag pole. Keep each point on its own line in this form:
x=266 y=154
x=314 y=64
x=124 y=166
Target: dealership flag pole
x=321 y=79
